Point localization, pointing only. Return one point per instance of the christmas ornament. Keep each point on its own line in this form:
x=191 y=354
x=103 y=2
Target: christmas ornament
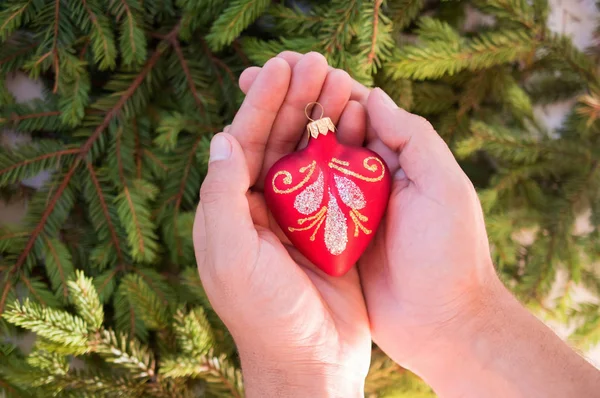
x=328 y=198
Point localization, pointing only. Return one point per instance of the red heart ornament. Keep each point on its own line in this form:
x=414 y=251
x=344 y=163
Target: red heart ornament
x=329 y=198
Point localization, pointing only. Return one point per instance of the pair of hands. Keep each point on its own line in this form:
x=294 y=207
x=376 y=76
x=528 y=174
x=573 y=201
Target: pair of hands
x=425 y=275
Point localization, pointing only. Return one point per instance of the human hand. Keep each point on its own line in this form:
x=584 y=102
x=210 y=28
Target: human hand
x=299 y=332
x=429 y=261
x=432 y=294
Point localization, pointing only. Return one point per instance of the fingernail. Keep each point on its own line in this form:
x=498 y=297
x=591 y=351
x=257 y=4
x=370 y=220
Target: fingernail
x=386 y=100
x=220 y=148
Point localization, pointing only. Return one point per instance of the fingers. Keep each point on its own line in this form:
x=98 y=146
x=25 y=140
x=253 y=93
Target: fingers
x=308 y=76
x=352 y=124
x=334 y=97
x=419 y=149
x=247 y=78
x=359 y=92
x=254 y=121
x=223 y=216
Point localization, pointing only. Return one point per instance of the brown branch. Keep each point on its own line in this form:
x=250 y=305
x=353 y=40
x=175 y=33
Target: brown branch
x=186 y=72
x=148 y=281
x=219 y=374
x=55 y=45
x=131 y=320
x=13 y=235
x=135 y=220
x=41 y=157
x=18 y=118
x=217 y=62
x=238 y=49
x=95 y=22
x=7 y=288
x=371 y=56
x=31 y=289
x=186 y=172
x=155 y=159
x=130 y=19
x=17 y=53
x=58 y=265
x=111 y=227
x=108 y=279
x=13 y=16
x=118 y=155
x=124 y=98
x=138 y=149
x=85 y=148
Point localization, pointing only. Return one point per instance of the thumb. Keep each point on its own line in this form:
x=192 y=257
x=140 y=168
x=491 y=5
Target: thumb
x=223 y=204
x=420 y=151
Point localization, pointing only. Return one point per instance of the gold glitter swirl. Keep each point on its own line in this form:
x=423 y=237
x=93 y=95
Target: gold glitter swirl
x=370 y=167
x=357 y=218
x=316 y=219
x=338 y=161
x=287 y=179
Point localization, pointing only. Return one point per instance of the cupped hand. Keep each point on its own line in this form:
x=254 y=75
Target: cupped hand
x=428 y=269
x=299 y=332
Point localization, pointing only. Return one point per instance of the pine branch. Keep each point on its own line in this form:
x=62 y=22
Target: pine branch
x=133 y=211
x=100 y=195
x=403 y=12
x=86 y=301
x=146 y=302
x=15 y=170
x=186 y=71
x=236 y=17
x=102 y=38
x=54 y=325
x=439 y=58
x=85 y=148
x=126 y=353
x=371 y=55
x=58 y=265
x=220 y=375
x=55 y=45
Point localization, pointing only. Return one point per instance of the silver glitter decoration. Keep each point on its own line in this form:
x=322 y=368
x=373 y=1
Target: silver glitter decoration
x=309 y=200
x=350 y=193
x=336 y=228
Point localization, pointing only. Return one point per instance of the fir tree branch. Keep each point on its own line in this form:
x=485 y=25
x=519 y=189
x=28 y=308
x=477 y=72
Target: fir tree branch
x=18 y=118
x=403 y=12
x=109 y=223
x=107 y=44
x=179 y=196
x=8 y=286
x=23 y=278
x=372 y=52
x=14 y=16
x=188 y=75
x=14 y=55
x=85 y=148
x=56 y=154
x=59 y=265
x=55 y=45
x=218 y=63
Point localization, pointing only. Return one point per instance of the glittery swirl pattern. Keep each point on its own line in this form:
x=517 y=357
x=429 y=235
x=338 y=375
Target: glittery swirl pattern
x=349 y=192
x=309 y=200
x=336 y=229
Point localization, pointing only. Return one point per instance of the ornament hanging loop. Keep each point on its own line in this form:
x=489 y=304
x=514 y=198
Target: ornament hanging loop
x=315 y=103
x=322 y=125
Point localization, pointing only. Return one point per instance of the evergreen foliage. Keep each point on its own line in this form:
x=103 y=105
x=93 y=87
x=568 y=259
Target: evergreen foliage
x=102 y=267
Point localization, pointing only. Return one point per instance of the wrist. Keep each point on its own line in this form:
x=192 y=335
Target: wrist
x=291 y=377
x=476 y=339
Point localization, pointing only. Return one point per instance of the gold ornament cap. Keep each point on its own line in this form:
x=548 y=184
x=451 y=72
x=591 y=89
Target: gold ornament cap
x=320 y=126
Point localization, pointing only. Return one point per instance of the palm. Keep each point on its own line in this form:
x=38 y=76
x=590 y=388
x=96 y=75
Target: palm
x=296 y=304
